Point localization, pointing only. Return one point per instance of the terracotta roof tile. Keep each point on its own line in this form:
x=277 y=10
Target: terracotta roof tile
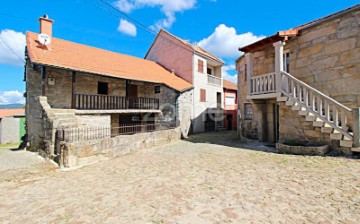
x=11 y=112
x=229 y=85
x=78 y=57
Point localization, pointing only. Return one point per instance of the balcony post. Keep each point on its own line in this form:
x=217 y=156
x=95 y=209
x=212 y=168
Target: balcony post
x=248 y=71
x=356 y=127
x=73 y=97
x=279 y=64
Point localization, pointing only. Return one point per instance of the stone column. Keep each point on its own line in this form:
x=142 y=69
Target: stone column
x=279 y=63
x=356 y=126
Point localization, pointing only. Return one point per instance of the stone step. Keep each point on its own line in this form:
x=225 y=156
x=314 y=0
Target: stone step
x=318 y=123
x=62 y=111
x=289 y=103
x=296 y=107
x=310 y=117
x=347 y=138
x=327 y=130
x=282 y=99
x=357 y=149
x=303 y=111
x=336 y=136
x=346 y=143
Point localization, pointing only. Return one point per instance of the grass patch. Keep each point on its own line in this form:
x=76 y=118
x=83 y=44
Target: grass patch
x=9 y=146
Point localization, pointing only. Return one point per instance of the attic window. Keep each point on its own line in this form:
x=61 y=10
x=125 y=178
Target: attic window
x=103 y=88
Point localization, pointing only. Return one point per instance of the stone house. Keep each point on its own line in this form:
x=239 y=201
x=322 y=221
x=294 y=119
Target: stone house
x=230 y=105
x=302 y=85
x=78 y=88
x=198 y=67
x=12 y=125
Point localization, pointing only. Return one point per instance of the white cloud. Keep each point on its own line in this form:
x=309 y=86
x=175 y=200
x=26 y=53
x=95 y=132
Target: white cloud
x=168 y=7
x=127 y=28
x=224 y=41
x=228 y=73
x=12 y=47
x=13 y=96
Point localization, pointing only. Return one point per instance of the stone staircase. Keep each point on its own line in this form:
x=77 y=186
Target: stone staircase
x=324 y=112
x=63 y=118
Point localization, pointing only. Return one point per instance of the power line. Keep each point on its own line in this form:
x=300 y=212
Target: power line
x=12 y=50
x=139 y=24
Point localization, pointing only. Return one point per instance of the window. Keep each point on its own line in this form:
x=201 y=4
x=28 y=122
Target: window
x=230 y=100
x=157 y=89
x=202 y=95
x=200 y=66
x=286 y=61
x=103 y=88
x=248 y=111
x=209 y=71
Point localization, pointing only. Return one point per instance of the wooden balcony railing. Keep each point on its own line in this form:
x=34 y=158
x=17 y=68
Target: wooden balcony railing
x=104 y=102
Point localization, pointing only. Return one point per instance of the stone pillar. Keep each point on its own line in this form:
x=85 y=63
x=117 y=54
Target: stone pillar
x=249 y=71
x=279 y=63
x=356 y=127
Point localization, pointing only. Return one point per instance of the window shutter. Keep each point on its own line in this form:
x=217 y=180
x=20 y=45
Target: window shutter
x=202 y=95
x=200 y=66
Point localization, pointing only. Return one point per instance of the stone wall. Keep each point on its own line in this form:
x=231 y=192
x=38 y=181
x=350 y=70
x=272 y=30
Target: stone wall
x=184 y=111
x=75 y=154
x=326 y=56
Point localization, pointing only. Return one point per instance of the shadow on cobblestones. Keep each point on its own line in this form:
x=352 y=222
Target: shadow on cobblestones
x=230 y=139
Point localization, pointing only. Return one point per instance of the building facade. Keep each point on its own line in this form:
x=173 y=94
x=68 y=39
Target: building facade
x=12 y=126
x=94 y=94
x=230 y=105
x=302 y=85
x=201 y=69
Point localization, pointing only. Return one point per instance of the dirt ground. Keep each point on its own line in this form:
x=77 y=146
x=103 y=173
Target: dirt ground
x=210 y=178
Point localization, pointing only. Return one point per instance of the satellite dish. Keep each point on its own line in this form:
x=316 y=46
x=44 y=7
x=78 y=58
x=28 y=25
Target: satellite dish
x=44 y=39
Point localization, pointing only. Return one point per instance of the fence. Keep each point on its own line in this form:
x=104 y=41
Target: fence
x=102 y=132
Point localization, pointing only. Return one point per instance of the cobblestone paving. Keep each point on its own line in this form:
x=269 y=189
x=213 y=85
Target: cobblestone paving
x=208 y=179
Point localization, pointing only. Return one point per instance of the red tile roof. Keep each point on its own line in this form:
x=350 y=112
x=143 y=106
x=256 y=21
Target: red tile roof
x=229 y=85
x=78 y=57
x=11 y=112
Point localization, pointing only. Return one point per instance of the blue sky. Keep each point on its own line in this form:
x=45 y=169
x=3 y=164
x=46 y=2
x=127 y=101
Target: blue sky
x=220 y=26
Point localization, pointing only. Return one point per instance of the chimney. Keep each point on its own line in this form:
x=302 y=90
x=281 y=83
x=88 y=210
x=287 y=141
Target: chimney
x=46 y=25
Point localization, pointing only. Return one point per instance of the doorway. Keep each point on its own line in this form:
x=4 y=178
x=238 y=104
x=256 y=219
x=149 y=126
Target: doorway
x=132 y=94
x=276 y=123
x=229 y=119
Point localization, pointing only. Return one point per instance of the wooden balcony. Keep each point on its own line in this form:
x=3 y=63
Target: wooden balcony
x=104 y=102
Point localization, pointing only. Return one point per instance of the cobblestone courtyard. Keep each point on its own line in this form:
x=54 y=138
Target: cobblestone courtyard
x=209 y=179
